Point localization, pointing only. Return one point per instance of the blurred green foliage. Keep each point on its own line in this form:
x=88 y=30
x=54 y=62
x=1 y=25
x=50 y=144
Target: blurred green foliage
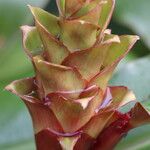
x=15 y=123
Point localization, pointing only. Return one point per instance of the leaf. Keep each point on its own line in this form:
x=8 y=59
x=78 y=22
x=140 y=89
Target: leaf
x=127 y=13
x=13 y=52
x=146 y=104
x=135 y=75
x=12 y=48
x=26 y=145
x=14 y=119
x=17 y=10
x=15 y=124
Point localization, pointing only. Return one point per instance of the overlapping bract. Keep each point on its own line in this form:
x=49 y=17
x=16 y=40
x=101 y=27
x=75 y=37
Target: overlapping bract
x=74 y=57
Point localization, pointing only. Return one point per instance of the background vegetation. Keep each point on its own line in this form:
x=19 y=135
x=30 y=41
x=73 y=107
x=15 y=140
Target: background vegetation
x=130 y=17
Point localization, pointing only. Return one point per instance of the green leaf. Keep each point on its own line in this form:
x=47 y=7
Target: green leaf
x=27 y=145
x=134 y=15
x=15 y=122
x=11 y=49
x=135 y=75
x=137 y=139
x=146 y=104
x=18 y=15
x=13 y=60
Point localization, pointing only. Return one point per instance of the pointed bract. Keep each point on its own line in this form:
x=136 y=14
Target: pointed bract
x=139 y=115
x=55 y=51
x=99 y=122
x=92 y=59
x=86 y=8
x=121 y=96
x=41 y=115
x=106 y=13
x=78 y=34
x=115 y=53
x=31 y=41
x=47 y=20
x=71 y=113
x=59 y=78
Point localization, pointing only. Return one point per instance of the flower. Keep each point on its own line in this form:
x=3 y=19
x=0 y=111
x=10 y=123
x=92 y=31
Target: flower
x=74 y=56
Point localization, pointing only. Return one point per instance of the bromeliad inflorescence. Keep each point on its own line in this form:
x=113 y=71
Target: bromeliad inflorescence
x=74 y=56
